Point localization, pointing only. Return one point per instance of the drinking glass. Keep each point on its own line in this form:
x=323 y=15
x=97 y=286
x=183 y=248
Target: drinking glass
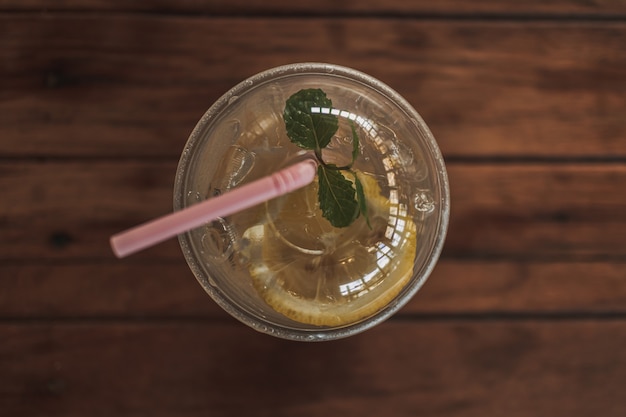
x=280 y=267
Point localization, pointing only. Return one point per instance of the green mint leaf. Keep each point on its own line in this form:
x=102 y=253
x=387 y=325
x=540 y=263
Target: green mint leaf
x=308 y=120
x=360 y=196
x=336 y=197
x=311 y=125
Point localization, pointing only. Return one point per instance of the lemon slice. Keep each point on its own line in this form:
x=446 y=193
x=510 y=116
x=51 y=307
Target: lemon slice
x=314 y=273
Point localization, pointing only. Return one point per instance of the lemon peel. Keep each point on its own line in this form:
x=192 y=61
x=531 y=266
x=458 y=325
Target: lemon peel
x=313 y=273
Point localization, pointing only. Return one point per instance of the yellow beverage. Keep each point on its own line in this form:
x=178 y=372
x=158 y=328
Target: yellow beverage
x=281 y=267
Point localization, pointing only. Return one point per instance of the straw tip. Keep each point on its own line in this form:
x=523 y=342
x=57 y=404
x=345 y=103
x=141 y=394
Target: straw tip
x=117 y=247
x=309 y=166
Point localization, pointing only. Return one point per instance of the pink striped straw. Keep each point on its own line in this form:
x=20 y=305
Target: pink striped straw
x=248 y=195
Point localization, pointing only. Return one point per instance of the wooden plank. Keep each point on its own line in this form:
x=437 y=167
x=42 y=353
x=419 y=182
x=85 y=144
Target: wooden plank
x=560 y=288
x=136 y=85
x=68 y=210
x=139 y=290
x=543 y=210
x=316 y=7
x=103 y=290
x=444 y=369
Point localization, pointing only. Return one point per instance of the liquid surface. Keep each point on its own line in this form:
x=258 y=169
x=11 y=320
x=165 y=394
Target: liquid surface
x=300 y=265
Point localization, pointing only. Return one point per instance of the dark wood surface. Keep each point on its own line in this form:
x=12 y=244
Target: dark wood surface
x=525 y=315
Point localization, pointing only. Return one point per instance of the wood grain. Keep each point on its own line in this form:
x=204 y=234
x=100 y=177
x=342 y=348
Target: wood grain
x=427 y=368
x=525 y=314
x=156 y=291
x=136 y=85
x=69 y=210
x=247 y=7
x=63 y=210
x=540 y=210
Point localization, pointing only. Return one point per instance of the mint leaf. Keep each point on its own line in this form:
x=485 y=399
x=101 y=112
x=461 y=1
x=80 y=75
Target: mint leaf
x=336 y=196
x=308 y=120
x=311 y=124
x=360 y=196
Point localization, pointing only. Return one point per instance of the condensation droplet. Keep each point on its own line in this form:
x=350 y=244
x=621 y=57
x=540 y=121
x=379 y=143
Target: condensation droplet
x=424 y=201
x=193 y=197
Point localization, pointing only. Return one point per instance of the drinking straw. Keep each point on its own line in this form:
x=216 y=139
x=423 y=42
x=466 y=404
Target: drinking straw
x=240 y=198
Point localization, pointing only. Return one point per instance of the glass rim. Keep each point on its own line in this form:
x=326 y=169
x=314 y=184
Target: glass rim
x=411 y=288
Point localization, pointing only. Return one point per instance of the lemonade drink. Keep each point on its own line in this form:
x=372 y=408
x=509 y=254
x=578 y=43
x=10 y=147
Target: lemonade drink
x=282 y=267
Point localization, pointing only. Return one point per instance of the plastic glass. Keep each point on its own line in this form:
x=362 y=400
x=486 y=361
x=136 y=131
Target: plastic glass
x=212 y=161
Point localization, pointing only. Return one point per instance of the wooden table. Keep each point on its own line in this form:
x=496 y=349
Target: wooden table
x=525 y=315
